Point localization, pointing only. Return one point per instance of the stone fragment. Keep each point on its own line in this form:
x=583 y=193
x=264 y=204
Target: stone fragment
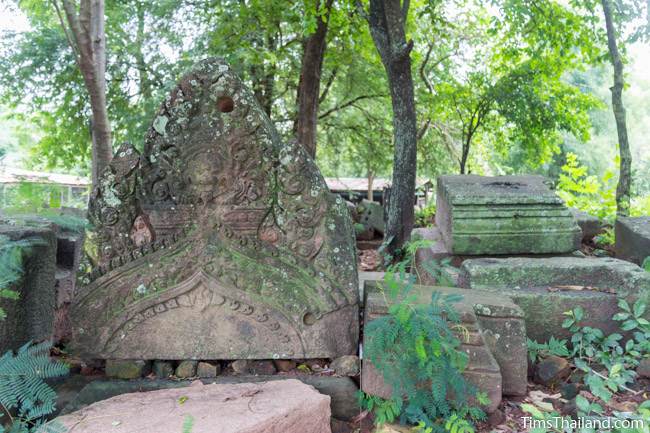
x=494 y=329
x=496 y=418
x=219 y=241
x=241 y=366
x=348 y=365
x=503 y=215
x=569 y=390
x=284 y=365
x=163 y=369
x=492 y=319
x=633 y=238
x=371 y=215
x=643 y=369
x=263 y=368
x=186 y=369
x=339 y=426
x=552 y=371
x=31 y=316
x=127 y=368
x=287 y=406
x=589 y=224
x=545 y=288
x=207 y=369
x=341 y=390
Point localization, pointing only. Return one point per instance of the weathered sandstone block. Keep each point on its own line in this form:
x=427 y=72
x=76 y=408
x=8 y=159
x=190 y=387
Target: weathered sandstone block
x=633 y=239
x=31 y=316
x=218 y=242
x=545 y=288
x=287 y=406
x=496 y=341
x=503 y=215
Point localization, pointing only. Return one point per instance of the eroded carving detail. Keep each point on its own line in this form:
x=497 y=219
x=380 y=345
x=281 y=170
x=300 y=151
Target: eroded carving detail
x=215 y=192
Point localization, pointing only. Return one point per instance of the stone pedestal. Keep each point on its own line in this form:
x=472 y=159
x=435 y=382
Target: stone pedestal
x=633 y=239
x=503 y=215
x=495 y=343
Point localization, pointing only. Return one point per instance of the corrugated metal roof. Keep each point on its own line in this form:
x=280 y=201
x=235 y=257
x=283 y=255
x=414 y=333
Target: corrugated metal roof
x=361 y=183
x=17 y=175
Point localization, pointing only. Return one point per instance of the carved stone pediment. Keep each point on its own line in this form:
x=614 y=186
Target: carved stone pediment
x=217 y=208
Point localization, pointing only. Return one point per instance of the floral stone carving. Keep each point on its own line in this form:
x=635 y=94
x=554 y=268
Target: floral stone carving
x=219 y=241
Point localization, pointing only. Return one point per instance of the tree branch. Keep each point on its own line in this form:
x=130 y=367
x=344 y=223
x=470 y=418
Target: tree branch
x=348 y=103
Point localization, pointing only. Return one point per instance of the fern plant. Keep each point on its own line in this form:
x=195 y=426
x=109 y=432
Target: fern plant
x=25 y=397
x=416 y=350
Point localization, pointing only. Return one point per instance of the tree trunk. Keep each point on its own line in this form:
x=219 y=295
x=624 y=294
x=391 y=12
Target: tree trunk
x=141 y=64
x=305 y=125
x=464 y=156
x=387 y=19
x=371 y=179
x=88 y=40
x=625 y=176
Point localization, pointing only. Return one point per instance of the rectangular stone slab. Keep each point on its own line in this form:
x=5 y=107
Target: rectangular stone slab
x=287 y=406
x=503 y=215
x=341 y=390
x=545 y=288
x=496 y=331
x=633 y=239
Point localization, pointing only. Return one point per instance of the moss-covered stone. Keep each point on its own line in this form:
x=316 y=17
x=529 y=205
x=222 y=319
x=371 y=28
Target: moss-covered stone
x=503 y=215
x=31 y=316
x=495 y=339
x=127 y=368
x=545 y=288
x=220 y=241
x=633 y=239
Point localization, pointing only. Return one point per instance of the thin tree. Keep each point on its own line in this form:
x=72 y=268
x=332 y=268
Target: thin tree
x=83 y=26
x=305 y=125
x=625 y=175
x=387 y=21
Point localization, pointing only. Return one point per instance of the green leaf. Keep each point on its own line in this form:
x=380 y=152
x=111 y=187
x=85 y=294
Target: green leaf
x=639 y=308
x=583 y=404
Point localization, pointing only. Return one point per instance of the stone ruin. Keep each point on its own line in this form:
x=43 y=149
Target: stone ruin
x=218 y=241
x=513 y=244
x=503 y=215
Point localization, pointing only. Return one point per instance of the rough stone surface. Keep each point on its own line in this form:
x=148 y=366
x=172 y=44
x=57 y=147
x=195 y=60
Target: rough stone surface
x=371 y=215
x=552 y=371
x=68 y=256
x=31 y=317
x=643 y=369
x=206 y=369
x=126 y=368
x=589 y=224
x=495 y=329
x=163 y=369
x=285 y=365
x=283 y=406
x=186 y=369
x=341 y=390
x=503 y=215
x=633 y=239
x=545 y=288
x=348 y=365
x=218 y=242
x=493 y=320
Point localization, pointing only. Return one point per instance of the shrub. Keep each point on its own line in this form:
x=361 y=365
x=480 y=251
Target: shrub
x=416 y=350
x=23 y=391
